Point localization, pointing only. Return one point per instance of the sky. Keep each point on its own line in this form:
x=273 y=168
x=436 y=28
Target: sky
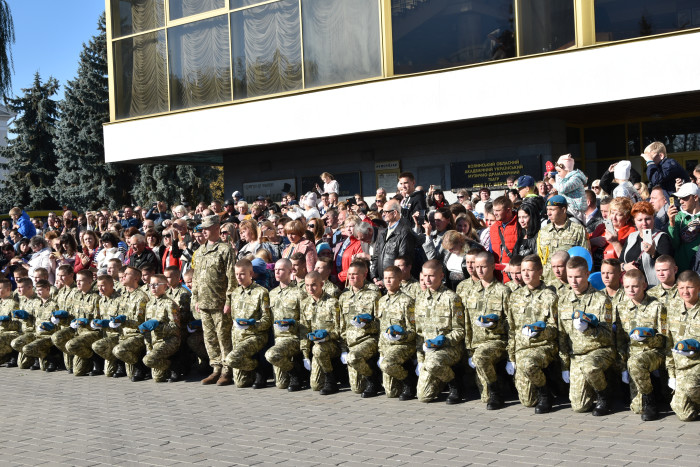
x=49 y=36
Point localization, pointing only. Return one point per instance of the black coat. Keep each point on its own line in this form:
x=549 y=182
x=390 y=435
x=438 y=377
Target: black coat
x=386 y=250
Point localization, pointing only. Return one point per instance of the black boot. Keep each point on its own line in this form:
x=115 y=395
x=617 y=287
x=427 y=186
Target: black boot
x=409 y=387
x=495 y=401
x=120 y=372
x=174 y=376
x=97 y=365
x=330 y=386
x=139 y=372
x=544 y=404
x=454 y=397
x=35 y=366
x=51 y=365
x=372 y=387
x=602 y=405
x=295 y=377
x=649 y=411
x=13 y=362
x=260 y=380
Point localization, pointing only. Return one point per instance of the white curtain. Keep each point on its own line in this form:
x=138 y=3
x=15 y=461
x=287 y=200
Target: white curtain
x=149 y=86
x=341 y=40
x=140 y=15
x=182 y=8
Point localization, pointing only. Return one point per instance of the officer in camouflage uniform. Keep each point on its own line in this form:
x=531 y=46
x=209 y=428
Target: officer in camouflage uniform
x=131 y=346
x=213 y=282
x=558 y=280
x=683 y=363
x=532 y=336
x=160 y=329
x=359 y=331
x=560 y=234
x=611 y=274
x=40 y=347
x=110 y=307
x=397 y=342
x=85 y=308
x=285 y=306
x=486 y=315
x=666 y=290
x=439 y=335
x=409 y=285
x=642 y=341
x=27 y=315
x=9 y=328
x=64 y=299
x=320 y=334
x=182 y=297
x=586 y=346
x=250 y=309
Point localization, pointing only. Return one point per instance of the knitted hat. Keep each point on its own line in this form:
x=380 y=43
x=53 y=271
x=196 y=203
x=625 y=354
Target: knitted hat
x=622 y=170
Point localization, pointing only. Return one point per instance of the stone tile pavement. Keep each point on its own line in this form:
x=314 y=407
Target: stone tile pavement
x=59 y=419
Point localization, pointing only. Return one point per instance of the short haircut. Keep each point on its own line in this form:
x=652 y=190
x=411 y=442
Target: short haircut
x=116 y=261
x=187 y=274
x=503 y=201
x=43 y=272
x=643 y=207
x=359 y=264
x=172 y=269
x=361 y=229
x=325 y=260
x=408 y=260
x=656 y=147
x=605 y=200
x=516 y=260
x=298 y=256
x=590 y=195
x=159 y=278
x=576 y=262
x=614 y=262
x=5 y=282
x=314 y=276
x=560 y=256
x=689 y=276
x=407 y=175
x=42 y=283
x=635 y=274
x=433 y=265
x=105 y=278
x=490 y=260
x=621 y=205
x=474 y=251
x=533 y=259
x=148 y=267
x=137 y=272
x=284 y=262
x=25 y=282
x=392 y=269
x=86 y=273
x=666 y=259
x=20 y=272
x=243 y=263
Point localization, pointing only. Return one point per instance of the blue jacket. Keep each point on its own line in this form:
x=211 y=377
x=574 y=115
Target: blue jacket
x=665 y=174
x=25 y=226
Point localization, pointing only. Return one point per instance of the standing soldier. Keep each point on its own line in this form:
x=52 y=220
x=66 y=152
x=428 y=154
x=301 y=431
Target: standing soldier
x=285 y=305
x=642 y=341
x=110 y=307
x=84 y=308
x=397 y=344
x=320 y=315
x=359 y=331
x=41 y=346
x=439 y=335
x=250 y=310
x=212 y=284
x=62 y=318
x=585 y=340
x=9 y=329
x=532 y=336
x=560 y=234
x=160 y=329
x=485 y=322
x=28 y=306
x=131 y=347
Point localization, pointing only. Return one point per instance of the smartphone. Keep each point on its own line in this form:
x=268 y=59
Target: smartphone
x=672 y=201
x=421 y=216
x=609 y=227
x=646 y=236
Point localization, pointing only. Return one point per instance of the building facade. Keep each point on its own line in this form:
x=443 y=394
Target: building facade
x=461 y=92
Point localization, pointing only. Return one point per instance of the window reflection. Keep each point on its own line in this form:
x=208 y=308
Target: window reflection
x=681 y=135
x=434 y=34
x=133 y=16
x=624 y=19
x=182 y=8
x=546 y=25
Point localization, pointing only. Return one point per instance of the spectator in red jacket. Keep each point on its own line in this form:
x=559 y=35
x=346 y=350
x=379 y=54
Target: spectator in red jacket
x=504 y=232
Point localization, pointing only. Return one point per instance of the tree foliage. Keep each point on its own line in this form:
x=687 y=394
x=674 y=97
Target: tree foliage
x=173 y=184
x=7 y=38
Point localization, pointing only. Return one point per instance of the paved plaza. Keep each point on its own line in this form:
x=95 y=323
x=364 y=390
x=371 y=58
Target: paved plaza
x=59 y=419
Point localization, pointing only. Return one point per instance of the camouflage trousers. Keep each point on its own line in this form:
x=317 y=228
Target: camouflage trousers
x=640 y=366
x=195 y=341
x=281 y=357
x=40 y=349
x=686 y=397
x=485 y=357
x=129 y=350
x=103 y=348
x=23 y=360
x=158 y=355
x=243 y=351
x=393 y=359
x=60 y=338
x=217 y=336
x=358 y=355
x=6 y=338
x=322 y=362
x=529 y=372
x=587 y=375
x=436 y=371
x=81 y=349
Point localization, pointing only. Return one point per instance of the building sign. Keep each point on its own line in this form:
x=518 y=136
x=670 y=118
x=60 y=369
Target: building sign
x=493 y=173
x=350 y=183
x=270 y=188
x=387 y=174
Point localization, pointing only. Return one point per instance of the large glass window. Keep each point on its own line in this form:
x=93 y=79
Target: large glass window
x=199 y=63
x=435 y=34
x=605 y=142
x=182 y=8
x=134 y=16
x=244 y=3
x=681 y=135
x=140 y=75
x=266 y=48
x=546 y=25
x=624 y=19
x=341 y=41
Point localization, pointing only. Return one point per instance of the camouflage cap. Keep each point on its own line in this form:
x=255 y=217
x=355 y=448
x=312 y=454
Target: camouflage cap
x=210 y=221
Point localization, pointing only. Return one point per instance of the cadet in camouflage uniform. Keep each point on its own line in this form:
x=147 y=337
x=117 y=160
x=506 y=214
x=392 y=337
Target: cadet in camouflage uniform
x=212 y=284
x=160 y=329
x=683 y=363
x=320 y=334
x=397 y=342
x=532 y=336
x=466 y=285
x=585 y=340
x=558 y=280
x=324 y=267
x=285 y=306
x=409 y=285
x=299 y=270
x=114 y=265
x=84 y=307
x=485 y=322
x=560 y=234
x=40 y=347
x=642 y=341
x=666 y=290
x=27 y=315
x=110 y=307
x=9 y=328
x=131 y=346
x=250 y=310
x=611 y=274
x=516 y=280
x=64 y=299
x=182 y=297
x=359 y=331
x=439 y=335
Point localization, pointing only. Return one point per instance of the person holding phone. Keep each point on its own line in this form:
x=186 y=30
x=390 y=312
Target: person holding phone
x=620 y=221
x=644 y=245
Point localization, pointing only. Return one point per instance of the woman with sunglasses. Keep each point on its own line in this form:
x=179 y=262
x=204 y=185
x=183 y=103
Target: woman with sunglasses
x=171 y=252
x=315 y=225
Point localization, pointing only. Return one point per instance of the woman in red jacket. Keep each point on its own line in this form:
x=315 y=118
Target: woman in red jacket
x=171 y=253
x=295 y=231
x=620 y=215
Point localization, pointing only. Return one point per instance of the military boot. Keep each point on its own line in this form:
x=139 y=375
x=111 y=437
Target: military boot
x=372 y=386
x=544 y=402
x=213 y=377
x=602 y=405
x=226 y=378
x=174 y=376
x=454 y=397
x=295 y=377
x=139 y=372
x=649 y=410
x=13 y=361
x=260 y=380
x=97 y=366
x=36 y=365
x=495 y=401
x=330 y=386
x=409 y=387
x=120 y=372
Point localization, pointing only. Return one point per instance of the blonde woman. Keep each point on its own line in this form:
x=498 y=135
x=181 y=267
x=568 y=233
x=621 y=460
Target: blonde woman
x=248 y=231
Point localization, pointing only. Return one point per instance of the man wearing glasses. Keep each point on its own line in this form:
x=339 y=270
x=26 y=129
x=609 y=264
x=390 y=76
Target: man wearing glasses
x=684 y=226
x=392 y=241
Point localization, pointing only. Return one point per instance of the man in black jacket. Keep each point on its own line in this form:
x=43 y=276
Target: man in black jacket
x=141 y=255
x=392 y=241
x=413 y=200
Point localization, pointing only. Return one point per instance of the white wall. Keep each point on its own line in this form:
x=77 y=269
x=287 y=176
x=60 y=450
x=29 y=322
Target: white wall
x=585 y=76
